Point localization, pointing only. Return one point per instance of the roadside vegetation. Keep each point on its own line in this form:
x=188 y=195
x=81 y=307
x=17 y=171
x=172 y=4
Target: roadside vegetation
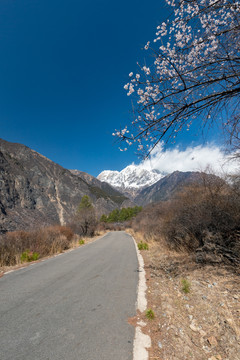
x=23 y=246
x=143 y=246
x=150 y=314
x=203 y=219
x=19 y=247
x=84 y=222
x=125 y=214
x=186 y=286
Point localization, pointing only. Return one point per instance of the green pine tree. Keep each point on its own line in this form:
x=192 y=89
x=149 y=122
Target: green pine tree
x=104 y=218
x=85 y=203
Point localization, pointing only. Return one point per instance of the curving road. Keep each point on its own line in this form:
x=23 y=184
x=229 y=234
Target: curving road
x=74 y=306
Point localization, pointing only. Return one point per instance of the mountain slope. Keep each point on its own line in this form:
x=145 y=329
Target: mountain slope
x=35 y=191
x=166 y=187
x=131 y=179
x=103 y=189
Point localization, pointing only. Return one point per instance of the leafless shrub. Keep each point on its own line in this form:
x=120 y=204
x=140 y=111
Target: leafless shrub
x=84 y=223
x=52 y=239
x=113 y=226
x=12 y=245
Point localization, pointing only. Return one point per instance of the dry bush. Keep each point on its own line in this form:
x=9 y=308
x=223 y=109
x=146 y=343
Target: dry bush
x=202 y=218
x=44 y=241
x=84 y=223
x=52 y=239
x=66 y=231
x=149 y=222
x=12 y=245
x=113 y=226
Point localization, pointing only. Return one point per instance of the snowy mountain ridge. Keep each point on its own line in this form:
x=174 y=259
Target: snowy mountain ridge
x=131 y=179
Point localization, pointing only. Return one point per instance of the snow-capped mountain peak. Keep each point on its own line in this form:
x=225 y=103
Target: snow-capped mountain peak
x=131 y=179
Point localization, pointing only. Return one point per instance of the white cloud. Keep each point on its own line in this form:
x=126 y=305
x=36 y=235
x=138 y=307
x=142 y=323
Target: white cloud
x=191 y=159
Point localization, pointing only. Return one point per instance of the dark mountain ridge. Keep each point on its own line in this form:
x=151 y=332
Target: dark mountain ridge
x=167 y=187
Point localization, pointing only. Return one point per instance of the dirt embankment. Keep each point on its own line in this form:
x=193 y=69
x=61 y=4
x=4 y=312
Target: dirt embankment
x=196 y=307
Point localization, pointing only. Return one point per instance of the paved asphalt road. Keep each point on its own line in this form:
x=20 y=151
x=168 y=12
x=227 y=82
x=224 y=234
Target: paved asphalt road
x=74 y=306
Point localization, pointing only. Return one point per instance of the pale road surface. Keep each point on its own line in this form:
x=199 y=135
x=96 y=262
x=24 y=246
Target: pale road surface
x=74 y=306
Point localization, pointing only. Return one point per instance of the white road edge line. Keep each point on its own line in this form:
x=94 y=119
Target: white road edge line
x=141 y=341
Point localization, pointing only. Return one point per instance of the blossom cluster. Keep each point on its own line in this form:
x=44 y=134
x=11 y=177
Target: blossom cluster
x=195 y=72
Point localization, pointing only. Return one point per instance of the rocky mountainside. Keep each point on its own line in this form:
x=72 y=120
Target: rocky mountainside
x=103 y=189
x=166 y=187
x=131 y=180
x=35 y=191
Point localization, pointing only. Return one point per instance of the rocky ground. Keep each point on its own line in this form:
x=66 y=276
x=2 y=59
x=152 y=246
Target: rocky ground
x=201 y=324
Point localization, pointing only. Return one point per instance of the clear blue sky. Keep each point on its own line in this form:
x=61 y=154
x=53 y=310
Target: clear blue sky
x=63 y=66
